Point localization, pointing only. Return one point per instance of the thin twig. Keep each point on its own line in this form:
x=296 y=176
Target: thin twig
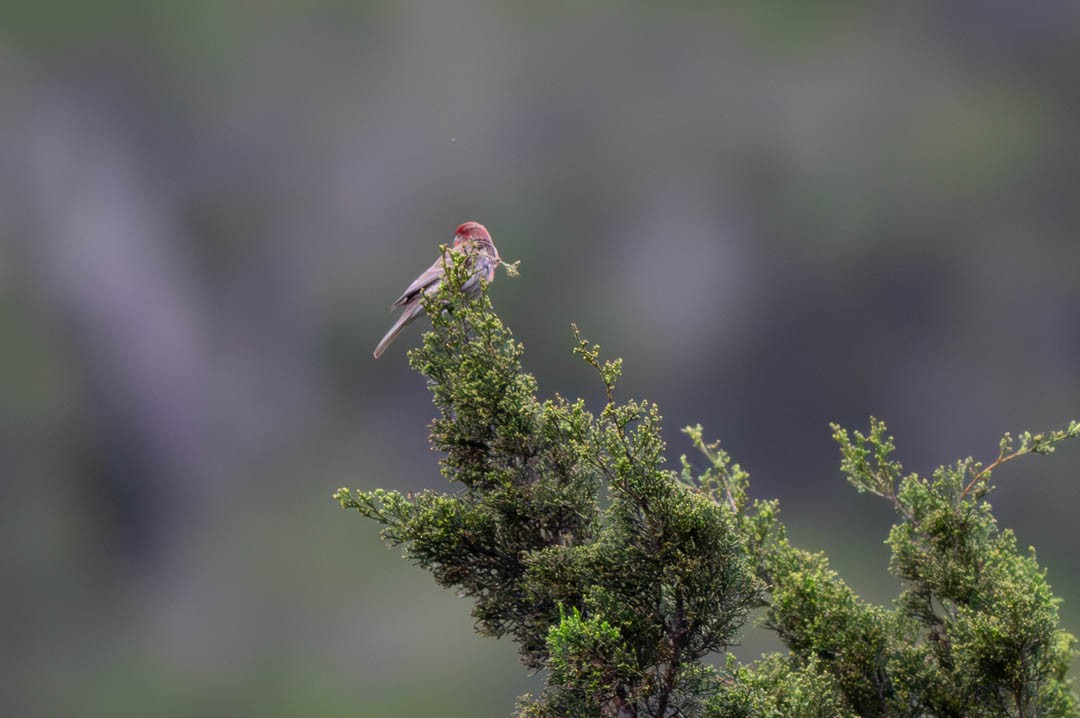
x=1001 y=459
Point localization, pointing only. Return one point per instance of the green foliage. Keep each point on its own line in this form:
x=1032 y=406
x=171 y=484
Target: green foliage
x=778 y=687
x=619 y=576
x=984 y=611
x=591 y=668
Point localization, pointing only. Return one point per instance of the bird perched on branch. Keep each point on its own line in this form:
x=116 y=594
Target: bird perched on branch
x=473 y=239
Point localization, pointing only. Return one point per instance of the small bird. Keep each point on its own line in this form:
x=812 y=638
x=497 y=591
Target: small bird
x=471 y=238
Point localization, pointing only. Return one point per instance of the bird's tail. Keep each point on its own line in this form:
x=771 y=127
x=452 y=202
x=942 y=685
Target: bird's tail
x=402 y=321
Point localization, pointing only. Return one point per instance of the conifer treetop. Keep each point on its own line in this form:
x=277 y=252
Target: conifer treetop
x=619 y=576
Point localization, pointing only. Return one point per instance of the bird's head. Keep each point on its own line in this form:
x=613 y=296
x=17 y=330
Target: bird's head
x=473 y=235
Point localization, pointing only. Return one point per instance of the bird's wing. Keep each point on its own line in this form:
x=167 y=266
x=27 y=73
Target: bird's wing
x=433 y=274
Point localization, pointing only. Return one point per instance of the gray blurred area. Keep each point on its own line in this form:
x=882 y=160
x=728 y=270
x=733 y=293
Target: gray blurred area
x=779 y=214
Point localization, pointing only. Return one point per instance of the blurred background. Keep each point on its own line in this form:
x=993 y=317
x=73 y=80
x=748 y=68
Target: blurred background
x=779 y=214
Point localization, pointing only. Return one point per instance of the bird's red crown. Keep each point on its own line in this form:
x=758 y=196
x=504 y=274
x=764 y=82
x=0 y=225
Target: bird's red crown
x=471 y=231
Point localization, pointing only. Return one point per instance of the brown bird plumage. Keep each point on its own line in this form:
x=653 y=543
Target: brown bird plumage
x=471 y=238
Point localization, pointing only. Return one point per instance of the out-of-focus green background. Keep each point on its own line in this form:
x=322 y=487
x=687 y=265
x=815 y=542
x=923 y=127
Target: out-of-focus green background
x=779 y=214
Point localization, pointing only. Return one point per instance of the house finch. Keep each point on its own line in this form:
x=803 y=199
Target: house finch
x=471 y=238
